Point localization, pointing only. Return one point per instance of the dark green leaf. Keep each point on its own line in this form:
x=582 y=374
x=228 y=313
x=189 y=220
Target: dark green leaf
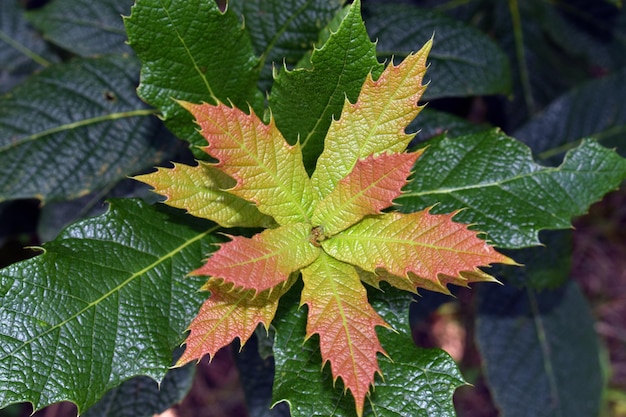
x=192 y=51
x=596 y=109
x=540 y=351
x=84 y=27
x=22 y=50
x=503 y=192
x=417 y=382
x=76 y=127
x=143 y=397
x=304 y=100
x=464 y=62
x=282 y=31
x=109 y=299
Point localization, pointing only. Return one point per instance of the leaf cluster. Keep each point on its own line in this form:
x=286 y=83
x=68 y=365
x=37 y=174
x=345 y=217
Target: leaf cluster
x=109 y=297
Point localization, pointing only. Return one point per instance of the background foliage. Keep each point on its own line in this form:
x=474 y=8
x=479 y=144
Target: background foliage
x=72 y=130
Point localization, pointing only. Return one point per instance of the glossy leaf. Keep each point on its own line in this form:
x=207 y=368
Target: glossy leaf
x=74 y=128
x=375 y=123
x=338 y=311
x=265 y=260
x=109 y=299
x=428 y=250
x=268 y=171
x=503 y=192
x=201 y=190
x=304 y=100
x=191 y=51
x=371 y=186
x=228 y=314
x=84 y=27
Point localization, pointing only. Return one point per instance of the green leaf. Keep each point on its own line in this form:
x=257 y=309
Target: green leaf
x=283 y=31
x=427 y=376
x=143 y=397
x=84 y=27
x=108 y=299
x=22 y=50
x=503 y=192
x=192 y=51
x=74 y=128
x=594 y=109
x=304 y=100
x=465 y=61
x=540 y=350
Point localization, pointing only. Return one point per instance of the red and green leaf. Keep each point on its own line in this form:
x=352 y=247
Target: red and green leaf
x=201 y=191
x=263 y=261
x=428 y=250
x=268 y=171
x=371 y=186
x=228 y=314
x=345 y=322
x=376 y=123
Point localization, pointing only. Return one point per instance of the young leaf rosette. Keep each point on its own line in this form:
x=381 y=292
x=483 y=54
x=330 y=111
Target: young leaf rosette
x=329 y=228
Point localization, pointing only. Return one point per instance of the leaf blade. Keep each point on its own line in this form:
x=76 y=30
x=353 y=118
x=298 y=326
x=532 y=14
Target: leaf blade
x=523 y=197
x=227 y=315
x=268 y=171
x=123 y=271
x=203 y=45
x=201 y=191
x=428 y=250
x=76 y=127
x=265 y=260
x=345 y=322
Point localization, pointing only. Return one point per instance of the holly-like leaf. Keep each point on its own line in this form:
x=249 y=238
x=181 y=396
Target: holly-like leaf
x=305 y=100
x=371 y=186
x=340 y=313
x=268 y=171
x=375 y=123
x=192 y=51
x=107 y=300
x=201 y=190
x=228 y=314
x=264 y=261
x=419 y=246
x=503 y=192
